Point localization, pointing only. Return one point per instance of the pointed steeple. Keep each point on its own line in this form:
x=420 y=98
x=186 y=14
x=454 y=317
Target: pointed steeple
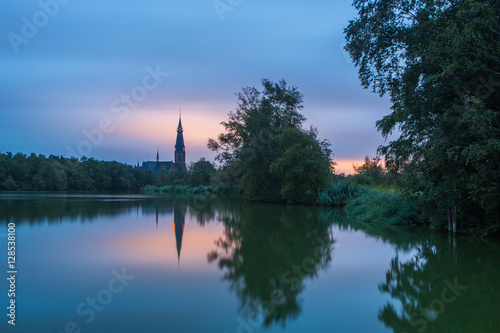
x=179 y=143
x=179 y=127
x=180 y=149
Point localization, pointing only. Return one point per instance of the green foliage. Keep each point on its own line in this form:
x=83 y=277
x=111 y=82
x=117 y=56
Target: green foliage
x=188 y=190
x=373 y=206
x=337 y=194
x=266 y=153
x=181 y=189
x=201 y=172
x=179 y=182
x=323 y=199
x=224 y=190
x=299 y=154
x=56 y=173
x=371 y=172
x=439 y=62
x=361 y=179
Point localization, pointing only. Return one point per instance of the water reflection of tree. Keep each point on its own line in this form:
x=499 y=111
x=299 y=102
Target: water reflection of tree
x=267 y=252
x=205 y=208
x=424 y=290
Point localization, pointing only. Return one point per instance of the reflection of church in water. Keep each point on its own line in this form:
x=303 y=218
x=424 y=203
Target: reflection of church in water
x=179 y=221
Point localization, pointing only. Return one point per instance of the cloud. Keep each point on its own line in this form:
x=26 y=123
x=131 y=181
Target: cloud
x=65 y=79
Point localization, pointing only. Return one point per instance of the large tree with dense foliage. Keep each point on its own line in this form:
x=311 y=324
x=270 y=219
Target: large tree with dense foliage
x=200 y=172
x=266 y=148
x=439 y=61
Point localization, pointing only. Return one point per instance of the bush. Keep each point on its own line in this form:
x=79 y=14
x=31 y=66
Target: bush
x=323 y=199
x=380 y=207
x=337 y=194
x=182 y=189
x=166 y=189
x=178 y=182
x=361 y=179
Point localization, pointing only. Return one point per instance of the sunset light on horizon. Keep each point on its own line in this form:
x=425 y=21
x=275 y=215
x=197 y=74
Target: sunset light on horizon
x=79 y=72
x=250 y=166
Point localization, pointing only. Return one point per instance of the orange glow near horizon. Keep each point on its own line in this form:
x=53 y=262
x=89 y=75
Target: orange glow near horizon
x=160 y=247
x=161 y=127
x=155 y=126
x=345 y=166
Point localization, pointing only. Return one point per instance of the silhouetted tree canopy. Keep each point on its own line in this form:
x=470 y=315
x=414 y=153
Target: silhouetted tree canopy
x=268 y=151
x=56 y=173
x=439 y=61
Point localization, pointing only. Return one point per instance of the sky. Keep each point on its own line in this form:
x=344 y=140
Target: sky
x=106 y=79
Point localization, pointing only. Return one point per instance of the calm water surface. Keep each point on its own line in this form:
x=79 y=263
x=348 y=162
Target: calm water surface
x=135 y=263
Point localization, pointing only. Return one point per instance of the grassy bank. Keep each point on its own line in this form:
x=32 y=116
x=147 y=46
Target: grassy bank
x=375 y=206
x=189 y=190
x=367 y=204
x=372 y=204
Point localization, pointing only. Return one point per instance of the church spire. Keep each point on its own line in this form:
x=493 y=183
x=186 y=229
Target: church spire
x=179 y=127
x=180 y=149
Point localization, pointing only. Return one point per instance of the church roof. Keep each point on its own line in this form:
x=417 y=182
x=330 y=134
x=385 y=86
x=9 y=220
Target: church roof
x=156 y=166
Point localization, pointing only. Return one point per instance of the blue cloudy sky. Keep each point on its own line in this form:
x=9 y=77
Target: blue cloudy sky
x=90 y=77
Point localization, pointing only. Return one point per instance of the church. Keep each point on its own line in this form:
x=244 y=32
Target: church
x=179 y=161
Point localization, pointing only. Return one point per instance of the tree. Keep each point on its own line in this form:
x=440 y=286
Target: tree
x=254 y=141
x=300 y=154
x=201 y=172
x=56 y=173
x=439 y=62
x=371 y=171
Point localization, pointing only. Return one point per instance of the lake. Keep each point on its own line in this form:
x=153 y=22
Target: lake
x=138 y=263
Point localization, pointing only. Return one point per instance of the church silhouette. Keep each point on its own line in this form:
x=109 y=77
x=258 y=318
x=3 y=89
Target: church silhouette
x=179 y=161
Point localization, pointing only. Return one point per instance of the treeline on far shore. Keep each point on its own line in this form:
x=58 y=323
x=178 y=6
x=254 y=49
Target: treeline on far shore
x=372 y=195
x=21 y=172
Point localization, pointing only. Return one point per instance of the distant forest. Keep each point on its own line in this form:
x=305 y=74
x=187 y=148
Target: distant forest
x=20 y=172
